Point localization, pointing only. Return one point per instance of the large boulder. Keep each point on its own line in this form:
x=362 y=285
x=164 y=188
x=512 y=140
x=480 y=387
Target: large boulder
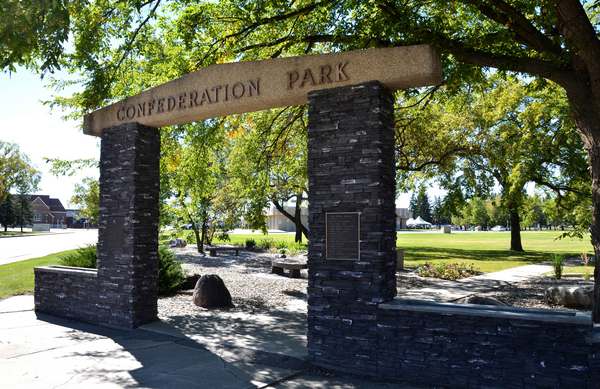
x=211 y=292
x=570 y=296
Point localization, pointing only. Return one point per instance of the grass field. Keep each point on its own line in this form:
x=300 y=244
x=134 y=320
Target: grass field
x=487 y=251
x=17 y=278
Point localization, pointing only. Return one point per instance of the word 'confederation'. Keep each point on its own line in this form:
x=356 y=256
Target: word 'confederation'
x=191 y=99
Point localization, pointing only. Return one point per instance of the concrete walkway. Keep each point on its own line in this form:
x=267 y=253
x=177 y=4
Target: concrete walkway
x=443 y=290
x=48 y=352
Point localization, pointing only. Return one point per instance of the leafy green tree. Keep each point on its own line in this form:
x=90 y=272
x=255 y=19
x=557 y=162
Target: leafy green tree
x=513 y=133
x=268 y=165
x=533 y=214
x=194 y=166
x=16 y=170
x=86 y=196
x=475 y=213
x=23 y=211
x=8 y=216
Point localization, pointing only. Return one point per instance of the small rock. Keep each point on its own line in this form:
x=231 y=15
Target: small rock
x=190 y=281
x=480 y=300
x=177 y=243
x=283 y=256
x=570 y=297
x=211 y=292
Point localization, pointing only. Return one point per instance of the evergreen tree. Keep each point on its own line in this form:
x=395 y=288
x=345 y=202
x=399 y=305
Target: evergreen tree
x=412 y=206
x=23 y=212
x=8 y=216
x=422 y=204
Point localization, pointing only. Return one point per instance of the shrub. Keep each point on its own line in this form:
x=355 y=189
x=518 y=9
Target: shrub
x=83 y=257
x=250 y=243
x=447 y=271
x=170 y=272
x=558 y=264
x=266 y=243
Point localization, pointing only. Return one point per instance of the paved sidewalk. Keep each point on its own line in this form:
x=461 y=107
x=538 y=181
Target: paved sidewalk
x=443 y=290
x=48 y=352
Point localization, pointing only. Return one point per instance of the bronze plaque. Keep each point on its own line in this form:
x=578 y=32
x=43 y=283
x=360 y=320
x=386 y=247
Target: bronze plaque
x=342 y=236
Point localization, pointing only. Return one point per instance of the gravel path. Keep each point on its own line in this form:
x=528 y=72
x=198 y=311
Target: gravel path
x=248 y=278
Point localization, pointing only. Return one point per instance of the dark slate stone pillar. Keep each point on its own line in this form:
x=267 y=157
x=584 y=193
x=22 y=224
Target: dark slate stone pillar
x=128 y=225
x=350 y=169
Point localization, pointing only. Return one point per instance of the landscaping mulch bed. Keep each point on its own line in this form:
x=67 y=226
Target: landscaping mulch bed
x=530 y=294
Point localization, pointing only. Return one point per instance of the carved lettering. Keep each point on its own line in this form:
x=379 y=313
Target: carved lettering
x=325 y=71
x=226 y=92
x=293 y=77
x=161 y=105
x=151 y=105
x=307 y=76
x=181 y=104
x=238 y=90
x=141 y=109
x=205 y=97
x=130 y=112
x=254 y=87
x=170 y=103
x=216 y=89
x=193 y=98
x=340 y=74
x=121 y=113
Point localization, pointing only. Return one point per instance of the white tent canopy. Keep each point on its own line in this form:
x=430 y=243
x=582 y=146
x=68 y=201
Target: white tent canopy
x=418 y=222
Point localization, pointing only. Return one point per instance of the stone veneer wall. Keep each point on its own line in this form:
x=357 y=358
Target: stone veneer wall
x=464 y=346
x=124 y=290
x=351 y=169
x=67 y=292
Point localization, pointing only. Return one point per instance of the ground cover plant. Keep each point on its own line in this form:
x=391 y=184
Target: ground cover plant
x=447 y=270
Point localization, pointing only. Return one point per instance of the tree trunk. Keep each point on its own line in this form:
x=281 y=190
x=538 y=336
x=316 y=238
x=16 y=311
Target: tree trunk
x=585 y=105
x=594 y=154
x=198 y=240
x=296 y=220
x=203 y=238
x=515 y=230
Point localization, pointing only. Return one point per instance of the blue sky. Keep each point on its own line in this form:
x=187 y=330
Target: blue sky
x=40 y=132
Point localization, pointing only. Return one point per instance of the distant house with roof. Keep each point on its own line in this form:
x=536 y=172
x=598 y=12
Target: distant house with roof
x=47 y=210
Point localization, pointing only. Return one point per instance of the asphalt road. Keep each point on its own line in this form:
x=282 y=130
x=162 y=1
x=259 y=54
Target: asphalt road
x=20 y=248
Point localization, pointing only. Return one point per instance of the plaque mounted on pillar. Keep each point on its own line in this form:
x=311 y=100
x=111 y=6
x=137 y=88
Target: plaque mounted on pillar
x=342 y=236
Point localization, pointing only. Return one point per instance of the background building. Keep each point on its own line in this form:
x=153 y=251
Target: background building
x=47 y=210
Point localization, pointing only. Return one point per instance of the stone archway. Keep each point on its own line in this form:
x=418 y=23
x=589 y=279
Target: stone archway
x=123 y=291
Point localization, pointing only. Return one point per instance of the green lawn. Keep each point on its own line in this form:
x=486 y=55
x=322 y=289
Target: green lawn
x=488 y=251
x=17 y=278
